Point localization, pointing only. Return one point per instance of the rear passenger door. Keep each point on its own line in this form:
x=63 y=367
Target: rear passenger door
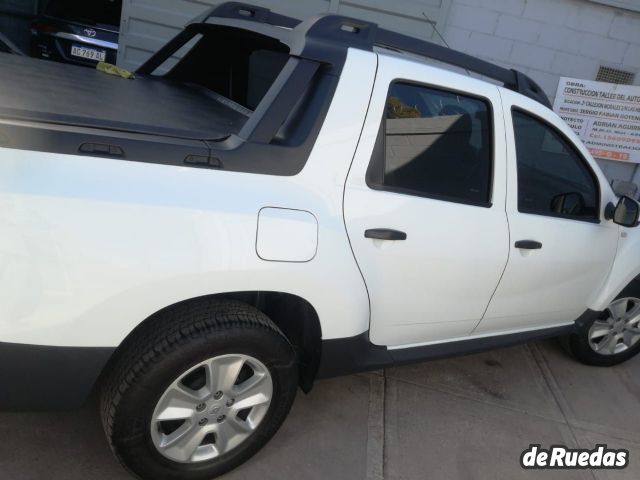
x=424 y=203
x=561 y=248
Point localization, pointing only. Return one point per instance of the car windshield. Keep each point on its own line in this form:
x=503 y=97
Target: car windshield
x=97 y=12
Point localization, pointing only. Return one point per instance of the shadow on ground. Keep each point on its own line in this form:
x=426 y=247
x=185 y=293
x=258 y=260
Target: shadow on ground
x=468 y=417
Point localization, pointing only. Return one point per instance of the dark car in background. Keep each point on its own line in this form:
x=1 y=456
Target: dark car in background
x=77 y=31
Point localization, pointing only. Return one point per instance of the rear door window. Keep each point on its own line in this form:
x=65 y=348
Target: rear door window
x=437 y=144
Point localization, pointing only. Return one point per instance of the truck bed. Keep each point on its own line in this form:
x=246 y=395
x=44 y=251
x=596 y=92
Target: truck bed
x=40 y=90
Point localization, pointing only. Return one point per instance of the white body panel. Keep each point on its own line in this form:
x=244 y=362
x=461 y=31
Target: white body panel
x=553 y=285
x=90 y=247
x=437 y=284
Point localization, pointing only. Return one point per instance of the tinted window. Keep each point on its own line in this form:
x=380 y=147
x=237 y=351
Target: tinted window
x=95 y=12
x=552 y=178
x=437 y=144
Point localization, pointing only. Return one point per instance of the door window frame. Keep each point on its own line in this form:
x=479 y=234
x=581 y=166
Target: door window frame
x=574 y=149
x=378 y=157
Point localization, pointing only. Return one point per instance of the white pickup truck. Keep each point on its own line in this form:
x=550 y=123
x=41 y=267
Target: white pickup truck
x=272 y=201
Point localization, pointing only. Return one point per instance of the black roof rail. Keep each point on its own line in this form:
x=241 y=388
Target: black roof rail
x=510 y=78
x=322 y=35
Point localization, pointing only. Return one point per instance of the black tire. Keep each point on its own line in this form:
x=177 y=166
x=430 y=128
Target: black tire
x=577 y=344
x=158 y=353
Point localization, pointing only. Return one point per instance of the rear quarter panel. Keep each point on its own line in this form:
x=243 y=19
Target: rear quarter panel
x=90 y=247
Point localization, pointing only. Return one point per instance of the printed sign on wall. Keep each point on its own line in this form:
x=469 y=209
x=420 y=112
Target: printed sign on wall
x=605 y=116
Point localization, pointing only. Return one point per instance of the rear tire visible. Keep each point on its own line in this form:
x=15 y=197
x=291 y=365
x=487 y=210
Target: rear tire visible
x=614 y=336
x=198 y=391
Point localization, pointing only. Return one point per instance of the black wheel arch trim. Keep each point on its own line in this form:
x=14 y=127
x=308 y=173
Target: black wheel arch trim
x=67 y=375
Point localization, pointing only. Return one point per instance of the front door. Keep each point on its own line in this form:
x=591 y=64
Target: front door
x=424 y=203
x=561 y=247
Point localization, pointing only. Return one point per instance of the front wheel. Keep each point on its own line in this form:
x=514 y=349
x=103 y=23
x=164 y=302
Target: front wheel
x=199 y=392
x=614 y=336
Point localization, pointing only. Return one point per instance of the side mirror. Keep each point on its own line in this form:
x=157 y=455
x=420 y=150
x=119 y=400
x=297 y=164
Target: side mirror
x=571 y=203
x=626 y=212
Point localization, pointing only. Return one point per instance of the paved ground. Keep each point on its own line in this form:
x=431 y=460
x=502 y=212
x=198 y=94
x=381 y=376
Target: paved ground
x=467 y=418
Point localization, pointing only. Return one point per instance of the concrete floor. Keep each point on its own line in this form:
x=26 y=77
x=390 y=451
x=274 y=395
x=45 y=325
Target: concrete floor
x=469 y=418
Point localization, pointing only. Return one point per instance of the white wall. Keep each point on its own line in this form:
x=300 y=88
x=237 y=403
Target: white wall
x=148 y=24
x=547 y=39
x=544 y=38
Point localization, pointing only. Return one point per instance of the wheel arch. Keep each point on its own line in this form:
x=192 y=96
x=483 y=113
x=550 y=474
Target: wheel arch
x=614 y=285
x=292 y=314
x=624 y=271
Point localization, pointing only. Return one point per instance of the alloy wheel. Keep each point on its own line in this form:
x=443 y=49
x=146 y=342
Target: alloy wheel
x=618 y=329
x=211 y=408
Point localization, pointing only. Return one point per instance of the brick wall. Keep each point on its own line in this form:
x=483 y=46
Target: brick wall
x=548 y=39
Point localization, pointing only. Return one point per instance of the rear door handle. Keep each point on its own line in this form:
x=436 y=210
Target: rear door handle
x=385 y=234
x=528 y=245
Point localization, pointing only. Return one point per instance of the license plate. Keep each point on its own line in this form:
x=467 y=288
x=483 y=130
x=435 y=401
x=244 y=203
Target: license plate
x=88 y=53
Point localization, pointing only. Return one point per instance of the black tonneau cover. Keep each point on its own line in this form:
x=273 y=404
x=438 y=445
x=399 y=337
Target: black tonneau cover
x=40 y=90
